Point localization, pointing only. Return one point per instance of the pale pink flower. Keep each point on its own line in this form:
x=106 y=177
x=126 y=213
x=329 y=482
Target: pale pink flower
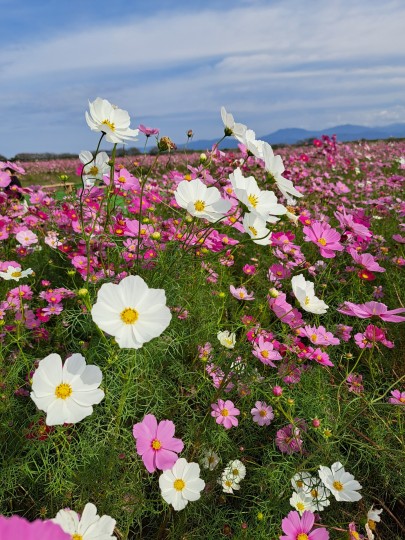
x=26 y=238
x=241 y=293
x=262 y=413
x=225 y=413
x=366 y=260
x=16 y=527
x=264 y=351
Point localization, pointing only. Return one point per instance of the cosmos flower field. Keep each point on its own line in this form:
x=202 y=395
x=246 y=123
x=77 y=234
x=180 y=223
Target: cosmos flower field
x=203 y=346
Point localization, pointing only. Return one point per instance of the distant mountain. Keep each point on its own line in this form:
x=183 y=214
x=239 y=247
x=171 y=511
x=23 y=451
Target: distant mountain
x=344 y=133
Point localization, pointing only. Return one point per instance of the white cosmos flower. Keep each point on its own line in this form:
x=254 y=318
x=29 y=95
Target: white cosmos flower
x=131 y=312
x=274 y=166
x=88 y=526
x=301 y=502
x=111 y=120
x=66 y=393
x=300 y=480
x=228 y=484
x=314 y=488
x=15 y=273
x=304 y=293
x=235 y=470
x=255 y=226
x=262 y=203
x=237 y=130
x=210 y=460
x=94 y=168
x=201 y=201
x=341 y=483
x=181 y=484
x=374 y=514
x=227 y=339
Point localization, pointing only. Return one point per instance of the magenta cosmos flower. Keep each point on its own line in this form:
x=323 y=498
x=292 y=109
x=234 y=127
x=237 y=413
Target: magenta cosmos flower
x=299 y=528
x=155 y=443
x=16 y=527
x=372 y=309
x=225 y=413
x=326 y=238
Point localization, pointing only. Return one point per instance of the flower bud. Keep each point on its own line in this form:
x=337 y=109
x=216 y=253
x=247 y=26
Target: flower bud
x=277 y=391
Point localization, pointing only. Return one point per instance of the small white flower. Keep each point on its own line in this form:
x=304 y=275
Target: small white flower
x=15 y=273
x=181 y=484
x=314 y=488
x=255 y=227
x=227 y=339
x=111 y=120
x=304 y=293
x=131 y=312
x=301 y=502
x=228 y=484
x=201 y=201
x=66 y=393
x=238 y=130
x=262 y=203
x=210 y=460
x=88 y=526
x=374 y=514
x=341 y=483
x=300 y=480
x=274 y=166
x=235 y=470
x=94 y=168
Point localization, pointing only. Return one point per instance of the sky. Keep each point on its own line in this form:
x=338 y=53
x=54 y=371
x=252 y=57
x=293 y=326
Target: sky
x=273 y=64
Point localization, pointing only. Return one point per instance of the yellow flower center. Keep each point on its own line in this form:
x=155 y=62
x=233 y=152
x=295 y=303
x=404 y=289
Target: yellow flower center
x=63 y=391
x=355 y=535
x=129 y=315
x=93 y=171
x=263 y=413
x=254 y=200
x=156 y=444
x=187 y=177
x=313 y=336
x=302 y=536
x=402 y=399
x=253 y=231
x=300 y=506
x=371 y=524
x=338 y=485
x=300 y=483
x=225 y=412
x=199 y=206
x=235 y=472
x=228 y=483
x=16 y=274
x=314 y=493
x=77 y=537
x=322 y=241
x=122 y=179
x=111 y=125
x=179 y=484
x=307 y=300
x=265 y=353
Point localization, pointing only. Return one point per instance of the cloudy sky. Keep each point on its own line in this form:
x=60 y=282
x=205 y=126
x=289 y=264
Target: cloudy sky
x=173 y=63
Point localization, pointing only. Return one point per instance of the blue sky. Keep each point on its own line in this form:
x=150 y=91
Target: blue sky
x=172 y=64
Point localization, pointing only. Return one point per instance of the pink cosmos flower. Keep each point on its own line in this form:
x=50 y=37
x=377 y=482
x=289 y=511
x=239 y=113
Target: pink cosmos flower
x=155 y=443
x=26 y=238
x=284 y=311
x=372 y=309
x=371 y=336
x=349 y=225
x=249 y=269
x=354 y=382
x=288 y=439
x=262 y=413
x=318 y=336
x=398 y=397
x=344 y=332
x=297 y=528
x=366 y=260
x=241 y=293
x=225 y=413
x=264 y=351
x=148 y=131
x=321 y=357
x=326 y=238
x=16 y=527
